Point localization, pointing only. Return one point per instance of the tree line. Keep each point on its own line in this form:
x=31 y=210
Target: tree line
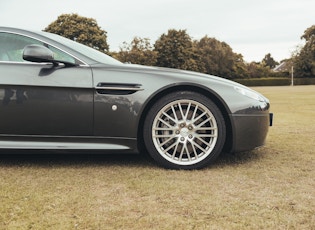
x=176 y=49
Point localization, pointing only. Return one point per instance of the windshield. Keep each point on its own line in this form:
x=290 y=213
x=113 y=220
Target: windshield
x=85 y=50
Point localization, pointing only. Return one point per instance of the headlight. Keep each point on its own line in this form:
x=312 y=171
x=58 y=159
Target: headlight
x=249 y=93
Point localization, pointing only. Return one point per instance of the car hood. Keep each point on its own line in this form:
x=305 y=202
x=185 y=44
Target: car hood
x=157 y=78
x=187 y=76
x=180 y=75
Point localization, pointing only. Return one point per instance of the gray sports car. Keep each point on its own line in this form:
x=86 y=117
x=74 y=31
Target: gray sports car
x=59 y=94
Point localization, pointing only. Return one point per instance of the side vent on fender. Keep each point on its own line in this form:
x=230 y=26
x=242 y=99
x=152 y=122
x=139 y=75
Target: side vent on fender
x=117 y=88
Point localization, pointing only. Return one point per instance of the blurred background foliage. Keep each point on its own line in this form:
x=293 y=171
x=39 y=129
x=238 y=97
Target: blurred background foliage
x=177 y=49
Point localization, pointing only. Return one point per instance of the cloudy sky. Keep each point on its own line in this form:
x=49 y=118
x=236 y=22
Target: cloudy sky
x=252 y=28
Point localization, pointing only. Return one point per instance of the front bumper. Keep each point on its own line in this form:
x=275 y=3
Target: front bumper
x=250 y=130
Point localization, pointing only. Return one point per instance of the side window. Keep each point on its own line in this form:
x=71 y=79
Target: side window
x=12 y=45
x=61 y=56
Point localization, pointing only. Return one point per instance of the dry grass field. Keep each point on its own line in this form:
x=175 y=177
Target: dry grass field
x=269 y=188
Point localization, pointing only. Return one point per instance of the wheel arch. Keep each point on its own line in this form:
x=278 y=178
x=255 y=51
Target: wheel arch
x=194 y=88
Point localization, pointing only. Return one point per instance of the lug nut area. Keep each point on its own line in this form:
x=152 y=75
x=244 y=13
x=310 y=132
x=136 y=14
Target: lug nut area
x=184 y=132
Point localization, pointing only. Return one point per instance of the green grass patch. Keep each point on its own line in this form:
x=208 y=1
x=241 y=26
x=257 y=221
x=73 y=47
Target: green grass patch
x=268 y=188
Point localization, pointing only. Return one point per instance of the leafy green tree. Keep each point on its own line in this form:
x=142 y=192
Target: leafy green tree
x=139 y=51
x=269 y=61
x=240 y=67
x=304 y=61
x=257 y=70
x=175 y=50
x=80 y=29
x=309 y=34
x=218 y=58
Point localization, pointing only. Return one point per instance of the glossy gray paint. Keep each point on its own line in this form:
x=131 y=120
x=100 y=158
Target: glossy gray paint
x=39 y=99
x=99 y=106
x=249 y=118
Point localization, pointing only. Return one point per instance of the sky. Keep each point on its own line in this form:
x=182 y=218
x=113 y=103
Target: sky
x=252 y=28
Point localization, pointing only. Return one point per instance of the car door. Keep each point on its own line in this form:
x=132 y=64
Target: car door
x=42 y=99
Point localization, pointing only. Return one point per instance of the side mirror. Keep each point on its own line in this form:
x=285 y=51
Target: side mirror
x=37 y=53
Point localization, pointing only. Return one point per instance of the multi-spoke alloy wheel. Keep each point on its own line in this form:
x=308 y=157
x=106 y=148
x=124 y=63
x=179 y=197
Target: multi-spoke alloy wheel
x=184 y=130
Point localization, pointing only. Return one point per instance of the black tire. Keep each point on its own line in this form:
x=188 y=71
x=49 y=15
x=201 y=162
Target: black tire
x=184 y=130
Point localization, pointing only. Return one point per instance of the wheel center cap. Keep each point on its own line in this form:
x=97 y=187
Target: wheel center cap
x=184 y=132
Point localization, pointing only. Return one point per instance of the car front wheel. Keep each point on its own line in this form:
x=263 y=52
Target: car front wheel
x=184 y=130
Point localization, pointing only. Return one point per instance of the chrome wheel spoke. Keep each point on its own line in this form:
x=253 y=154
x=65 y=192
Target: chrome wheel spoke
x=194 y=150
x=166 y=141
x=187 y=111
x=163 y=135
x=199 y=117
x=181 y=111
x=168 y=116
x=187 y=153
x=175 y=150
x=206 y=135
x=181 y=153
x=165 y=123
x=204 y=142
x=194 y=113
x=170 y=147
x=204 y=122
x=199 y=147
x=206 y=128
x=170 y=129
x=175 y=115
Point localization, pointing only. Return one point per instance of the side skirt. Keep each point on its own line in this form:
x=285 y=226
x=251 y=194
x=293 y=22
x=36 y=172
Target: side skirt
x=68 y=143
